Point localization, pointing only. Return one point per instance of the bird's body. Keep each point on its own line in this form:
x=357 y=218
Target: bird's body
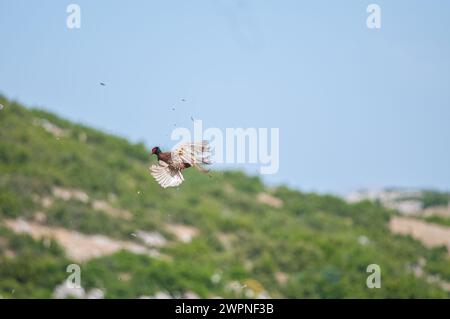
x=166 y=157
x=168 y=172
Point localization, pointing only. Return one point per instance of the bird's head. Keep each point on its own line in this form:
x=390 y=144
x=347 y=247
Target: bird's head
x=156 y=150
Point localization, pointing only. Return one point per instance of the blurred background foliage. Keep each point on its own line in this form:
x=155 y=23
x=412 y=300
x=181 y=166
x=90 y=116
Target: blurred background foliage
x=308 y=247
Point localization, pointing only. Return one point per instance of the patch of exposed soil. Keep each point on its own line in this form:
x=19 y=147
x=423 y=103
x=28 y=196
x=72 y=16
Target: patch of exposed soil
x=431 y=235
x=79 y=247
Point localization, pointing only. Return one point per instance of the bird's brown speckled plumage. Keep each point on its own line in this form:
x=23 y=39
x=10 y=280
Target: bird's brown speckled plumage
x=170 y=164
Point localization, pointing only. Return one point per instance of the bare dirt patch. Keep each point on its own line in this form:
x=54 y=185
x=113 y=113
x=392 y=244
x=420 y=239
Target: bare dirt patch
x=183 y=233
x=431 y=235
x=441 y=211
x=270 y=200
x=50 y=127
x=79 y=195
x=110 y=210
x=78 y=246
x=68 y=194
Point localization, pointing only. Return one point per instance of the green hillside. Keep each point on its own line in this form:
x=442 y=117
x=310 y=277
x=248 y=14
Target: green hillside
x=223 y=234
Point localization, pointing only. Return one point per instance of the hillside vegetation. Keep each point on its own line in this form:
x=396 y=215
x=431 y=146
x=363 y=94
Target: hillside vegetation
x=72 y=194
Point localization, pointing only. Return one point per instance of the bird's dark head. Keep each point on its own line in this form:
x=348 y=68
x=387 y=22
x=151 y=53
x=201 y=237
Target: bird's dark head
x=156 y=150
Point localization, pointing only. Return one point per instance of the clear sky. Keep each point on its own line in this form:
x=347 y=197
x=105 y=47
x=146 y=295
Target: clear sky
x=356 y=107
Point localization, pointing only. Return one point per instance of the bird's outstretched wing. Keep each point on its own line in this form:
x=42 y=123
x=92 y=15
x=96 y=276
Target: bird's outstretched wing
x=194 y=153
x=166 y=175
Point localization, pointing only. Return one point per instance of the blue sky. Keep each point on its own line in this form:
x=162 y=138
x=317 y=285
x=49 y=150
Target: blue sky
x=356 y=107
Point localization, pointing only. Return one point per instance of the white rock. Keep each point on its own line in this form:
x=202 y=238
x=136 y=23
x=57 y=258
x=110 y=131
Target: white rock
x=363 y=240
x=151 y=238
x=66 y=290
x=95 y=294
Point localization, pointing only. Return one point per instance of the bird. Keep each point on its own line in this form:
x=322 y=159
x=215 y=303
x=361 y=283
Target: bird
x=102 y=84
x=168 y=171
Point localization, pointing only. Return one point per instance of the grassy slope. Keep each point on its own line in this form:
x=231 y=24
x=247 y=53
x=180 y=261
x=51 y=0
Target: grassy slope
x=313 y=239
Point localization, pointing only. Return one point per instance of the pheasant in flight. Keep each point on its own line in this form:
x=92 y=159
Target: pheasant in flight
x=170 y=164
